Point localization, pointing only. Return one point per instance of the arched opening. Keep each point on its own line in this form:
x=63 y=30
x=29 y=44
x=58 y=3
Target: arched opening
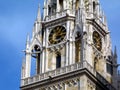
x=94 y=7
x=49 y=10
x=77 y=47
x=58 y=61
x=52 y=7
x=35 y=63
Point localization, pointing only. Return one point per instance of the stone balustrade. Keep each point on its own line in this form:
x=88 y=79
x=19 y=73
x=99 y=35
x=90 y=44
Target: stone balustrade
x=52 y=73
x=65 y=70
x=59 y=15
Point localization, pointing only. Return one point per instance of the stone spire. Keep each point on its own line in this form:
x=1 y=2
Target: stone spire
x=38 y=24
x=39 y=14
x=115 y=52
x=115 y=68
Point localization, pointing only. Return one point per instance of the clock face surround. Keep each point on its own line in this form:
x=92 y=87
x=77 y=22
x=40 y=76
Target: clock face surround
x=97 y=40
x=57 y=35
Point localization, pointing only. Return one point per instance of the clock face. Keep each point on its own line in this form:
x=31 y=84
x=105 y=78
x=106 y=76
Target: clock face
x=97 y=40
x=57 y=35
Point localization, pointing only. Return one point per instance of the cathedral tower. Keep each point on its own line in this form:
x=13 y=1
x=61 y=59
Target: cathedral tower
x=71 y=48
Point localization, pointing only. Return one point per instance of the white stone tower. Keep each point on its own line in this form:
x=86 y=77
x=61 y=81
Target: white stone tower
x=71 y=46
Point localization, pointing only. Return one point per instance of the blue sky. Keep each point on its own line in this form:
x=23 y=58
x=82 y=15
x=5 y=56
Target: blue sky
x=16 y=20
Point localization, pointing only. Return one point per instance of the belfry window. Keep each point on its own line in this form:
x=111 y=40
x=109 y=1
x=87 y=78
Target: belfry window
x=52 y=7
x=58 y=61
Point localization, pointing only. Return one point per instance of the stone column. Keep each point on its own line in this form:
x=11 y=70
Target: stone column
x=43 y=53
x=46 y=50
x=67 y=60
x=70 y=43
x=67 y=43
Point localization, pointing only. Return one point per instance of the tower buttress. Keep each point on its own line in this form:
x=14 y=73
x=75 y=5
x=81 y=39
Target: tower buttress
x=27 y=63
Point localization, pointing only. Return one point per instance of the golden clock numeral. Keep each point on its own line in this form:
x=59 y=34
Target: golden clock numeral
x=58 y=31
x=57 y=28
x=63 y=30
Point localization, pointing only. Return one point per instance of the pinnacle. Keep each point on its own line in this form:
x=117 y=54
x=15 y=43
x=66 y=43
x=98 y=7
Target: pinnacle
x=38 y=14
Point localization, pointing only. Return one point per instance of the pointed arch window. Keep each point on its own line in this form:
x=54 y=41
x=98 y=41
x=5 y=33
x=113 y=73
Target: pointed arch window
x=58 y=61
x=77 y=47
